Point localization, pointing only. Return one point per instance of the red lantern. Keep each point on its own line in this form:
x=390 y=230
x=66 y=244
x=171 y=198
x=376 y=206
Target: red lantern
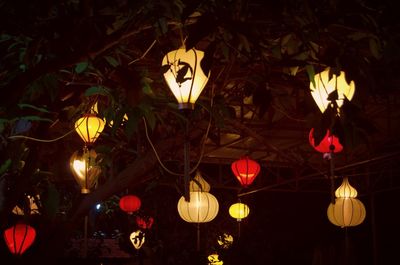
x=19 y=238
x=144 y=222
x=326 y=143
x=130 y=203
x=245 y=170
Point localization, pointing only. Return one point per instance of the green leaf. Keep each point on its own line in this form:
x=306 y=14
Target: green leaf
x=24 y=105
x=97 y=90
x=311 y=73
x=81 y=67
x=2 y=122
x=5 y=166
x=374 y=48
x=51 y=200
x=112 y=61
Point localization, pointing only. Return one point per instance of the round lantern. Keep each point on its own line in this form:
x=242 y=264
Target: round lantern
x=203 y=207
x=184 y=75
x=85 y=169
x=144 y=222
x=19 y=238
x=245 y=170
x=346 y=212
x=239 y=211
x=326 y=143
x=130 y=203
x=89 y=127
x=199 y=184
x=324 y=84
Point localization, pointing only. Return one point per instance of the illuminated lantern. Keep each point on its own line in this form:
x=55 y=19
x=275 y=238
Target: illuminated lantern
x=239 y=211
x=325 y=85
x=130 y=203
x=245 y=170
x=225 y=240
x=203 y=207
x=85 y=169
x=347 y=209
x=144 y=222
x=19 y=238
x=184 y=75
x=199 y=184
x=137 y=239
x=89 y=127
x=33 y=208
x=326 y=143
x=213 y=259
x=345 y=190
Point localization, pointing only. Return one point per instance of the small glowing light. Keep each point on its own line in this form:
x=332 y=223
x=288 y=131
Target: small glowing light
x=98 y=206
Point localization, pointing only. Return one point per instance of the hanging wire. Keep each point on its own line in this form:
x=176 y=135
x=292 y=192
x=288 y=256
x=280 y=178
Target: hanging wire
x=201 y=148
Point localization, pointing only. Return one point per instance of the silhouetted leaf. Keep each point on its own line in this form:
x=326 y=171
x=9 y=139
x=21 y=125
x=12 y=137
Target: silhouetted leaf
x=164 y=68
x=207 y=61
x=23 y=106
x=180 y=76
x=205 y=25
x=97 y=90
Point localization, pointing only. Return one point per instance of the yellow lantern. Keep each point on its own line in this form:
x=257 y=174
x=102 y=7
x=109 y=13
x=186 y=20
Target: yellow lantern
x=347 y=209
x=239 y=211
x=85 y=169
x=199 y=184
x=225 y=240
x=213 y=259
x=346 y=212
x=33 y=208
x=345 y=190
x=203 y=207
x=89 y=127
x=184 y=75
x=325 y=85
x=137 y=239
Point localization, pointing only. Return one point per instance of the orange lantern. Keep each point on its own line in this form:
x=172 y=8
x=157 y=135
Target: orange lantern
x=245 y=170
x=327 y=142
x=130 y=203
x=144 y=222
x=19 y=238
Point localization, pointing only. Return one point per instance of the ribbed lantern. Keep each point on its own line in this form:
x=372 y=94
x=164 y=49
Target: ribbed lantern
x=19 y=238
x=85 y=169
x=239 y=211
x=130 y=203
x=203 y=207
x=347 y=209
x=325 y=145
x=245 y=170
x=184 y=75
x=325 y=84
x=346 y=212
x=89 y=127
x=199 y=184
x=345 y=190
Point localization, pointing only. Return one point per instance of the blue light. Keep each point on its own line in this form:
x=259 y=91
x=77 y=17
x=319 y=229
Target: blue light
x=98 y=206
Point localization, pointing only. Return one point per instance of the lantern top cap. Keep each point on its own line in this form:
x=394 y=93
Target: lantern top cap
x=345 y=190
